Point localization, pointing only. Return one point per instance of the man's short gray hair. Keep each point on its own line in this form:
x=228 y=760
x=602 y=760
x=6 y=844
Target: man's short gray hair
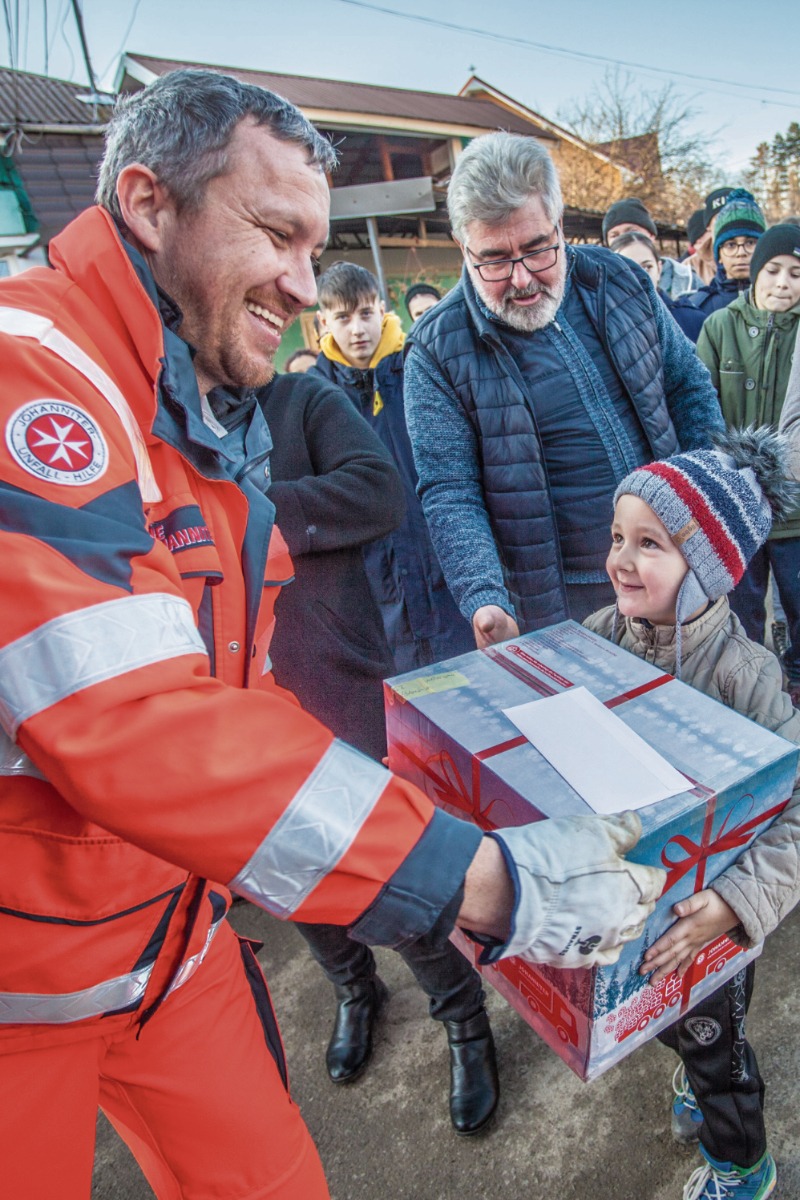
x=495 y=175
x=180 y=126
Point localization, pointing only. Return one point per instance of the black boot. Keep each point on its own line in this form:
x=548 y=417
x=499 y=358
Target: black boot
x=474 y=1086
x=350 y=1047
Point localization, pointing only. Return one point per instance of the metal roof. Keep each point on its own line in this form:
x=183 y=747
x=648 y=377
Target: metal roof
x=337 y=95
x=59 y=173
x=27 y=99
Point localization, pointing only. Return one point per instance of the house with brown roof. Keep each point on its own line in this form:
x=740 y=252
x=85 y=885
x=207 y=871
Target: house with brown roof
x=52 y=142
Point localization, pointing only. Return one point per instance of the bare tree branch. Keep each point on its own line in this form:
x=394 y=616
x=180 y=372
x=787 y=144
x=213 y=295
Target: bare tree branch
x=649 y=134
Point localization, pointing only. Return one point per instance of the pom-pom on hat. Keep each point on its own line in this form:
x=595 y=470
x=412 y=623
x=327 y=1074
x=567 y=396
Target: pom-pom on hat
x=718 y=507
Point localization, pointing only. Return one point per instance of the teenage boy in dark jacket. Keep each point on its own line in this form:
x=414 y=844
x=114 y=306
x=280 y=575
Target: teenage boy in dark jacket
x=362 y=351
x=335 y=488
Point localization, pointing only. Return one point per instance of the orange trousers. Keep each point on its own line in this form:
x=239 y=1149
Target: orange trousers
x=198 y=1098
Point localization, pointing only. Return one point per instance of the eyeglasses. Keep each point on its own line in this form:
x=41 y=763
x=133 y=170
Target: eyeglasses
x=729 y=249
x=503 y=268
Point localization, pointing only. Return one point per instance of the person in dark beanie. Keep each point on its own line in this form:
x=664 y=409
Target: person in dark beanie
x=626 y=215
x=715 y=201
x=737 y=227
x=696 y=226
x=748 y=349
x=701 y=245
x=420 y=297
x=631 y=216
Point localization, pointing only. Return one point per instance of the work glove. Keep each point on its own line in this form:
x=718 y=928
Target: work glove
x=577 y=899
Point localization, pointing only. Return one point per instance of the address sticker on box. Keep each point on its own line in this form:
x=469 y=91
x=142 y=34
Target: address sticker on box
x=429 y=684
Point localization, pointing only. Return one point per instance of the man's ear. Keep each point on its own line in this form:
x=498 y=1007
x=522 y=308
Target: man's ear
x=146 y=206
x=382 y=309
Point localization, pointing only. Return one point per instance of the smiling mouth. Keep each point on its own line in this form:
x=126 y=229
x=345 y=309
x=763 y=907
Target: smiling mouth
x=265 y=315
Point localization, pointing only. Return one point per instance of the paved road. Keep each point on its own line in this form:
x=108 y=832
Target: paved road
x=388 y=1136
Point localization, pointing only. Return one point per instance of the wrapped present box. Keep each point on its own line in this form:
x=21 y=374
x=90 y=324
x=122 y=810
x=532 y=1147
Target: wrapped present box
x=448 y=734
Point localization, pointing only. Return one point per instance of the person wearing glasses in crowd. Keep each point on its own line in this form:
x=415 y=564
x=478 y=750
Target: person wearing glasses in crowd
x=545 y=376
x=738 y=225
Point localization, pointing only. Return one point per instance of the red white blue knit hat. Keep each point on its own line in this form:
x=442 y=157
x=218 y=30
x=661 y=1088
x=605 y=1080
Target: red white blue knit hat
x=718 y=505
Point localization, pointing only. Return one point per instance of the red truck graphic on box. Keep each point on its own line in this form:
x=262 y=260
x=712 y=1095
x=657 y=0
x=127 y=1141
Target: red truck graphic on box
x=672 y=993
x=542 y=999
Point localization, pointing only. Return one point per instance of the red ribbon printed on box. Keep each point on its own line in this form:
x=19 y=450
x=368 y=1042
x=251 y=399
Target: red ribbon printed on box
x=730 y=839
x=443 y=772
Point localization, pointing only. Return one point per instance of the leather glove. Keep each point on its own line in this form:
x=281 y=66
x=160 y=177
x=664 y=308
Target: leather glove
x=577 y=899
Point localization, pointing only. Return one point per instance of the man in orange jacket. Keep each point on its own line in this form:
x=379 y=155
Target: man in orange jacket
x=148 y=763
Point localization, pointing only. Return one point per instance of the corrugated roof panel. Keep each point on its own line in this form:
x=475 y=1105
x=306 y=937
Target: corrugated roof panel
x=40 y=100
x=59 y=172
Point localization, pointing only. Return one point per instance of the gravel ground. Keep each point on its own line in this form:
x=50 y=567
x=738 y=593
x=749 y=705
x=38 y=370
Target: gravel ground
x=388 y=1137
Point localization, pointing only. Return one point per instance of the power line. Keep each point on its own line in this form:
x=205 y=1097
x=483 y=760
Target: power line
x=124 y=39
x=566 y=51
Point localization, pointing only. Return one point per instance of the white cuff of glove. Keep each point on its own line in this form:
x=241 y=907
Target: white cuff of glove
x=578 y=900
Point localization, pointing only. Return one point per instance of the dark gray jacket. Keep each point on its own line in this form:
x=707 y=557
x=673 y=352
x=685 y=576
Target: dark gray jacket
x=335 y=489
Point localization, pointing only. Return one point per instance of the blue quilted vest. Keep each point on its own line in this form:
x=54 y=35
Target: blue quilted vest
x=466 y=347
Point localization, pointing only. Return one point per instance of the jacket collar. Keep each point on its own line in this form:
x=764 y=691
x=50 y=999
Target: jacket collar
x=392 y=339
x=694 y=634
x=91 y=253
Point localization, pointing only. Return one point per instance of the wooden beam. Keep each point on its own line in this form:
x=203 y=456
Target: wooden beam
x=386 y=159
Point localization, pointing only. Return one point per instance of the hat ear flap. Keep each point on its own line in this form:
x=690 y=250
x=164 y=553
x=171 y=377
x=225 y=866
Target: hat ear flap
x=690 y=597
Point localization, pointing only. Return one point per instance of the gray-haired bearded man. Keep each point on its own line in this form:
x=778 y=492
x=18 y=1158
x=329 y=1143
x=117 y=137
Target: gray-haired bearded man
x=545 y=376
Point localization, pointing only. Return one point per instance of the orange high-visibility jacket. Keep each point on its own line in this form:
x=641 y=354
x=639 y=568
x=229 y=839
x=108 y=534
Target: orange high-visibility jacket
x=147 y=760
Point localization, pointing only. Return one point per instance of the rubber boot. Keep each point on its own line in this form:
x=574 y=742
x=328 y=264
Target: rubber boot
x=350 y=1047
x=474 y=1085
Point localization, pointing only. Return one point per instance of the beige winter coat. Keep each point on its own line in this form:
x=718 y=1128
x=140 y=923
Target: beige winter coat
x=718 y=659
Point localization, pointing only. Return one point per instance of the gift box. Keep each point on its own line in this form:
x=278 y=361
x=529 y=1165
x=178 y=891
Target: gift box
x=447 y=733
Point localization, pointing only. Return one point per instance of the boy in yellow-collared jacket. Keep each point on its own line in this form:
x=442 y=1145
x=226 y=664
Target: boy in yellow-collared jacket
x=362 y=351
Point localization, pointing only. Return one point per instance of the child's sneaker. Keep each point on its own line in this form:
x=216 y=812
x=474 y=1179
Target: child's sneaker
x=723 y=1181
x=687 y=1119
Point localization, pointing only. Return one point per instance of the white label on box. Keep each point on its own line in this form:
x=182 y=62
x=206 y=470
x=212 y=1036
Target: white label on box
x=607 y=764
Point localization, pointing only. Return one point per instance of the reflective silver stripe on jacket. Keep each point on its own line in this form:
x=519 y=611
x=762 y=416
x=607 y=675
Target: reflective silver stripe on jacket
x=188 y=968
x=80 y=648
x=21 y=1008
x=314 y=832
x=14 y=761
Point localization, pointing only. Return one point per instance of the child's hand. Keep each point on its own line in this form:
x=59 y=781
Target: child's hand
x=702 y=918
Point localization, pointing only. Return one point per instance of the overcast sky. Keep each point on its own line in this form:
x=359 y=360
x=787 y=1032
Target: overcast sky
x=737 y=43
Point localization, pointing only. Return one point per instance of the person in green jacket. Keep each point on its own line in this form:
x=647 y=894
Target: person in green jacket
x=748 y=349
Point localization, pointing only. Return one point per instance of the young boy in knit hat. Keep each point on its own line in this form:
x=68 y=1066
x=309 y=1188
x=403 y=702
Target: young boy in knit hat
x=738 y=225
x=684 y=530
x=748 y=349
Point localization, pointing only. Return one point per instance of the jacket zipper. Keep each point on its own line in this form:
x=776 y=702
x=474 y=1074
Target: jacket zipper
x=767 y=340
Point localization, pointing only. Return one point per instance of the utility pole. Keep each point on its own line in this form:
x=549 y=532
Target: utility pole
x=76 y=8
